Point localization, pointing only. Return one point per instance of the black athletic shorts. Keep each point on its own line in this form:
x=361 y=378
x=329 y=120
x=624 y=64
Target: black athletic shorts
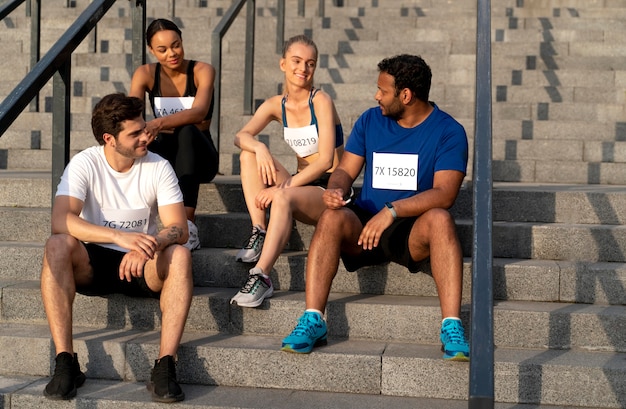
x=392 y=246
x=105 y=263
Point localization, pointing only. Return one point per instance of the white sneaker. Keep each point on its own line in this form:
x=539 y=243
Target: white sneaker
x=255 y=290
x=193 y=242
x=252 y=247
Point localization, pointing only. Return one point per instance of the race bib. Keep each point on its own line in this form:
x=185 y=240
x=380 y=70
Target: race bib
x=164 y=106
x=304 y=141
x=394 y=171
x=129 y=220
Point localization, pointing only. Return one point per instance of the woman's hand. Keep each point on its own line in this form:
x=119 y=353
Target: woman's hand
x=264 y=198
x=265 y=165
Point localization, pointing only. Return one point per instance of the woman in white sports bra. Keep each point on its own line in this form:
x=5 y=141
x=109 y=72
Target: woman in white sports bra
x=313 y=130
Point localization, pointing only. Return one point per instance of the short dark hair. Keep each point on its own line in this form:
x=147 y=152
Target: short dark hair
x=161 y=24
x=408 y=71
x=111 y=111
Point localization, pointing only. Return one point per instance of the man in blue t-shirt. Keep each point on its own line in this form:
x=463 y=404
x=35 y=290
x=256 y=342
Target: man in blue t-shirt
x=415 y=159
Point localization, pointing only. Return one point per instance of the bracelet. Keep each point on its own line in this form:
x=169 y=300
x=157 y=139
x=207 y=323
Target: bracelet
x=392 y=210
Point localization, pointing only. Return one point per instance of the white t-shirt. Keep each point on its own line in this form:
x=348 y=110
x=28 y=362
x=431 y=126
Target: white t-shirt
x=126 y=201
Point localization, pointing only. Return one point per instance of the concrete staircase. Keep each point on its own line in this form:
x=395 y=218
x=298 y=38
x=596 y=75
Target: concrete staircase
x=559 y=212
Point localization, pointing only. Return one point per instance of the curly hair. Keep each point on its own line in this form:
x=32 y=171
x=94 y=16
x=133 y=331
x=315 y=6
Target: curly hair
x=408 y=71
x=111 y=111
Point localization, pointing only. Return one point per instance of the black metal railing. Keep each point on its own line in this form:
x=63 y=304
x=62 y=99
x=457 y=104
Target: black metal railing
x=56 y=63
x=216 y=60
x=481 y=381
x=33 y=9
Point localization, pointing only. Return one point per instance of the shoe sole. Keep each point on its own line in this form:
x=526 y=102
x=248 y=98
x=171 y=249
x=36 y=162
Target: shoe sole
x=256 y=303
x=78 y=382
x=164 y=399
x=248 y=260
x=458 y=357
x=319 y=342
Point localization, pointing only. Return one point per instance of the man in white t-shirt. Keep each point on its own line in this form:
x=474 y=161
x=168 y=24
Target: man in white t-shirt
x=105 y=239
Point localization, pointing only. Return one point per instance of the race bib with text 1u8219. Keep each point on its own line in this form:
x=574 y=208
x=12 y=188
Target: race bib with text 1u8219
x=395 y=171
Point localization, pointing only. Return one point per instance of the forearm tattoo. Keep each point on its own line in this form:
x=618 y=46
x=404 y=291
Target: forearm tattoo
x=173 y=234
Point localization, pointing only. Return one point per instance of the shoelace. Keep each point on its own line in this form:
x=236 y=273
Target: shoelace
x=252 y=279
x=304 y=327
x=253 y=238
x=454 y=334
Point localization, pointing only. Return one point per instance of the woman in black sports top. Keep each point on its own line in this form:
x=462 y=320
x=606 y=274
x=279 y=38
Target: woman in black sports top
x=181 y=95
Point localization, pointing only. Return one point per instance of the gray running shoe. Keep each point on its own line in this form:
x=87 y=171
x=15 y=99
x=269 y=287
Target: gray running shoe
x=252 y=247
x=254 y=291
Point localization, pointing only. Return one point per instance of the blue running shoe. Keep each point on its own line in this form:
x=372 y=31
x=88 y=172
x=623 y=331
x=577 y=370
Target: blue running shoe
x=454 y=345
x=310 y=332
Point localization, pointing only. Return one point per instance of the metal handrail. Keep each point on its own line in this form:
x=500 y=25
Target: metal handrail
x=481 y=377
x=56 y=62
x=216 y=60
x=33 y=9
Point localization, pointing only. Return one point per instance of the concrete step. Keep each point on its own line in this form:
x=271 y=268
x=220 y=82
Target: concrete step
x=358 y=367
x=514 y=279
x=27 y=392
x=350 y=316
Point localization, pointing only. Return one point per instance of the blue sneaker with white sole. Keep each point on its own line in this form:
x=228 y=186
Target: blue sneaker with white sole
x=310 y=332
x=453 y=343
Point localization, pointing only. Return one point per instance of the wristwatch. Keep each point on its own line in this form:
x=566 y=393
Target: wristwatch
x=391 y=209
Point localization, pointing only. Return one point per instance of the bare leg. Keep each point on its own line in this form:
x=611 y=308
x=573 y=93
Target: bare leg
x=171 y=274
x=251 y=184
x=65 y=262
x=304 y=203
x=434 y=234
x=336 y=230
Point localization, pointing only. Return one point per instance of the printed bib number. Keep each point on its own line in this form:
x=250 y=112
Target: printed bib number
x=394 y=171
x=303 y=141
x=129 y=220
x=164 y=106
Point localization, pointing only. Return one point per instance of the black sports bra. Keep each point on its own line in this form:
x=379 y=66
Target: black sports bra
x=190 y=88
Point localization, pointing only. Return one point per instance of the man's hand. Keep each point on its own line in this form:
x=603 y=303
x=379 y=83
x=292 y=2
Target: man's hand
x=334 y=198
x=144 y=244
x=132 y=265
x=370 y=235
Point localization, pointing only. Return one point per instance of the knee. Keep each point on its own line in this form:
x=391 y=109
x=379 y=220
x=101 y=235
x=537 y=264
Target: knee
x=331 y=220
x=439 y=220
x=282 y=199
x=246 y=158
x=180 y=258
x=59 y=245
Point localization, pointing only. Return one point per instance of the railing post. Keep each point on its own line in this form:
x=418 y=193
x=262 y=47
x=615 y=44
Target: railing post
x=60 y=122
x=481 y=376
x=249 y=67
x=35 y=43
x=216 y=62
x=280 y=26
x=138 y=14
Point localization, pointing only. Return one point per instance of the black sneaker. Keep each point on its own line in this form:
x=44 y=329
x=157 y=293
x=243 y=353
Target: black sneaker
x=163 y=384
x=67 y=378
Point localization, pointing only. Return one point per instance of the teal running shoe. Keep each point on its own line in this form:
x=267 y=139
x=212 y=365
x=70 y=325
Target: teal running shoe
x=454 y=345
x=310 y=332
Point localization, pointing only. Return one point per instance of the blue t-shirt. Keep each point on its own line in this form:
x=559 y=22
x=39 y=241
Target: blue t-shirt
x=401 y=162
